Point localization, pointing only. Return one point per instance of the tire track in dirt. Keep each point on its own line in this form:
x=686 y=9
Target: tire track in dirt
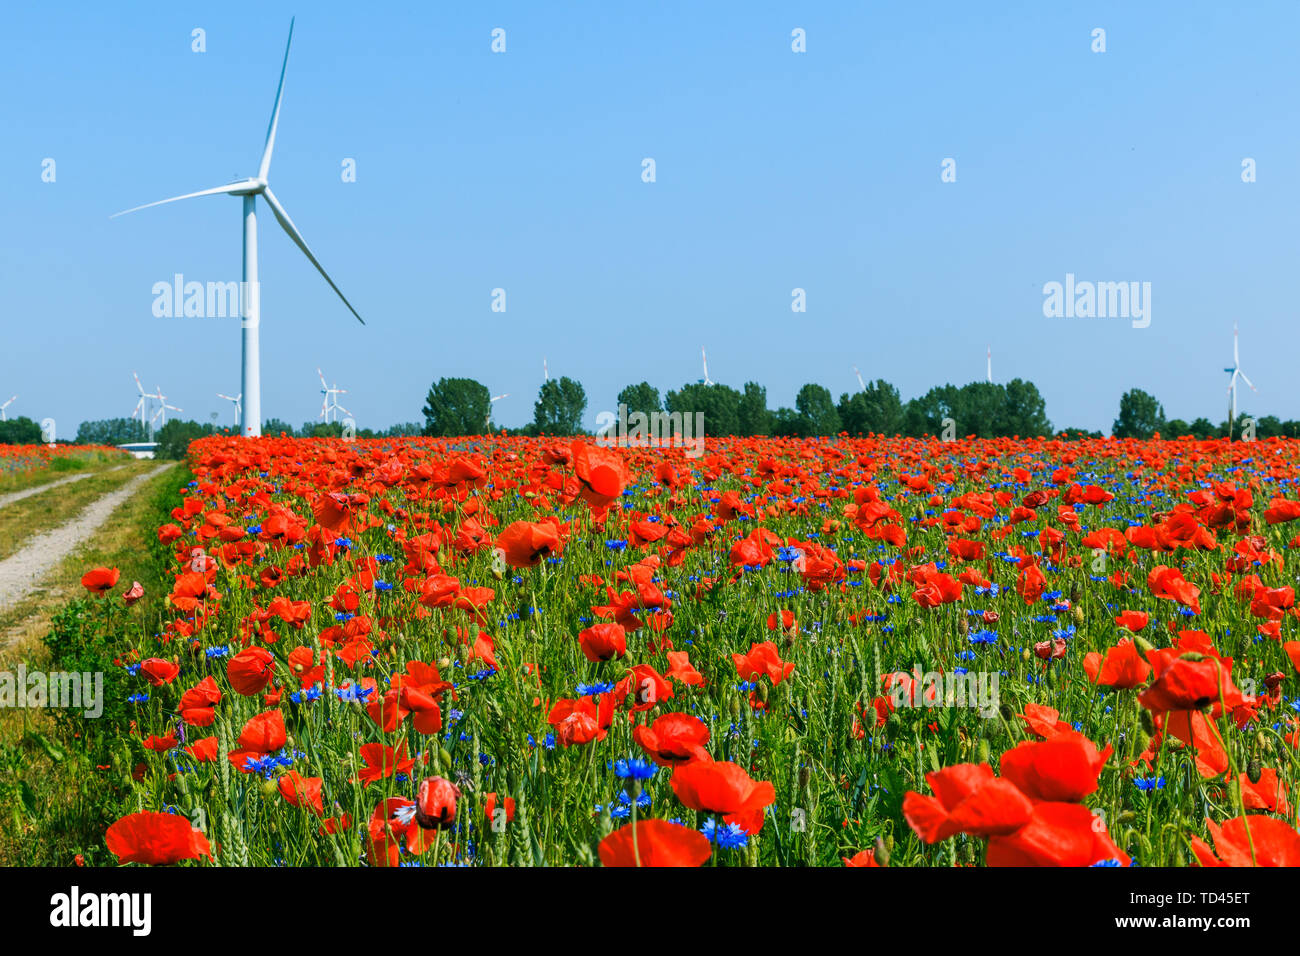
x=21 y=572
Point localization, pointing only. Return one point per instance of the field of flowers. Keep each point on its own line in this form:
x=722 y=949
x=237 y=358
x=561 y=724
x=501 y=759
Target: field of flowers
x=782 y=653
x=26 y=461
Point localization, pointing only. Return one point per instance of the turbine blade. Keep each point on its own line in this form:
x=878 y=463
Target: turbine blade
x=287 y=225
x=323 y=383
x=265 y=166
x=214 y=191
x=1249 y=382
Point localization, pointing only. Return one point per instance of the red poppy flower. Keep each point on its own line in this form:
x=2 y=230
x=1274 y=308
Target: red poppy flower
x=525 y=543
x=673 y=739
x=603 y=641
x=1057 y=834
x=99 y=581
x=250 y=671
x=968 y=798
x=656 y=843
x=156 y=839
x=1269 y=842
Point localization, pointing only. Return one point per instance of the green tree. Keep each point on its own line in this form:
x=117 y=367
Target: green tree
x=559 y=407
x=1176 y=428
x=924 y=415
x=274 y=426
x=1024 y=412
x=174 y=438
x=720 y=405
x=752 y=413
x=787 y=423
x=110 y=431
x=642 y=398
x=456 y=406
x=817 y=410
x=20 y=431
x=1140 y=415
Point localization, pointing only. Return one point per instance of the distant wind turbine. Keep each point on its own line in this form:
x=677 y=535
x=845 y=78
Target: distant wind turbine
x=141 y=410
x=495 y=398
x=546 y=373
x=4 y=417
x=990 y=357
x=331 y=400
x=1232 y=383
x=861 y=384
x=705 y=380
x=236 y=399
x=249 y=189
x=162 y=407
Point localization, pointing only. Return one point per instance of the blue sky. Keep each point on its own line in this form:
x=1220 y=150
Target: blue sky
x=775 y=170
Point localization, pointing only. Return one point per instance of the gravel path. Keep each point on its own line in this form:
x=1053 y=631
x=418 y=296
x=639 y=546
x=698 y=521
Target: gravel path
x=28 y=492
x=21 y=572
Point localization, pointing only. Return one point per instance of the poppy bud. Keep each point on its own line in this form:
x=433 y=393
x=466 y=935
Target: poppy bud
x=1147 y=723
x=435 y=803
x=444 y=758
x=805 y=774
x=882 y=852
x=735 y=708
x=269 y=787
x=1007 y=711
x=1254 y=771
x=762 y=693
x=1078 y=614
x=984 y=750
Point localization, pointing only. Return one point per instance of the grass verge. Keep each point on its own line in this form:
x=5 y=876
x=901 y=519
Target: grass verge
x=61 y=781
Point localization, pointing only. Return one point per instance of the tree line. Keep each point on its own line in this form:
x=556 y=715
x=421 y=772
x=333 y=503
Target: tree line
x=463 y=406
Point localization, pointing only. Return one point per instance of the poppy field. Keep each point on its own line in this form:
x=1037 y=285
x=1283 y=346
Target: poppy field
x=818 y=652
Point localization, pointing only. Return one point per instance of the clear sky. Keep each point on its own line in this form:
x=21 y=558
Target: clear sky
x=775 y=170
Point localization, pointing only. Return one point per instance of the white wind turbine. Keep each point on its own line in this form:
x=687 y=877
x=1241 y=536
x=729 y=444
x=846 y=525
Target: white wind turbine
x=1232 y=384
x=990 y=358
x=495 y=398
x=331 y=400
x=236 y=399
x=861 y=384
x=706 y=380
x=4 y=409
x=546 y=373
x=162 y=407
x=249 y=189
x=141 y=410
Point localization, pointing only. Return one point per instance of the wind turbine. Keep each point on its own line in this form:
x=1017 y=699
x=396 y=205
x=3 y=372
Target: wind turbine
x=1232 y=383
x=236 y=399
x=162 y=407
x=249 y=189
x=861 y=384
x=142 y=407
x=495 y=398
x=4 y=416
x=331 y=400
x=705 y=380
x=546 y=373
x=990 y=357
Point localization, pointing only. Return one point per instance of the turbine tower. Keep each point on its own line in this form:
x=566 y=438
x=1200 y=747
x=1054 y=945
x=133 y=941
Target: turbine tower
x=546 y=373
x=706 y=380
x=248 y=190
x=861 y=384
x=141 y=410
x=236 y=399
x=331 y=400
x=1232 y=383
x=990 y=358
x=4 y=409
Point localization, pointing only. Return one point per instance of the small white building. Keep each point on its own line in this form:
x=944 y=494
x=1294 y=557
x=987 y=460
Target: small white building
x=140 y=449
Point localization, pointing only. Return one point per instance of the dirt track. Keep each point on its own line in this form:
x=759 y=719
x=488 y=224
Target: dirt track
x=21 y=573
